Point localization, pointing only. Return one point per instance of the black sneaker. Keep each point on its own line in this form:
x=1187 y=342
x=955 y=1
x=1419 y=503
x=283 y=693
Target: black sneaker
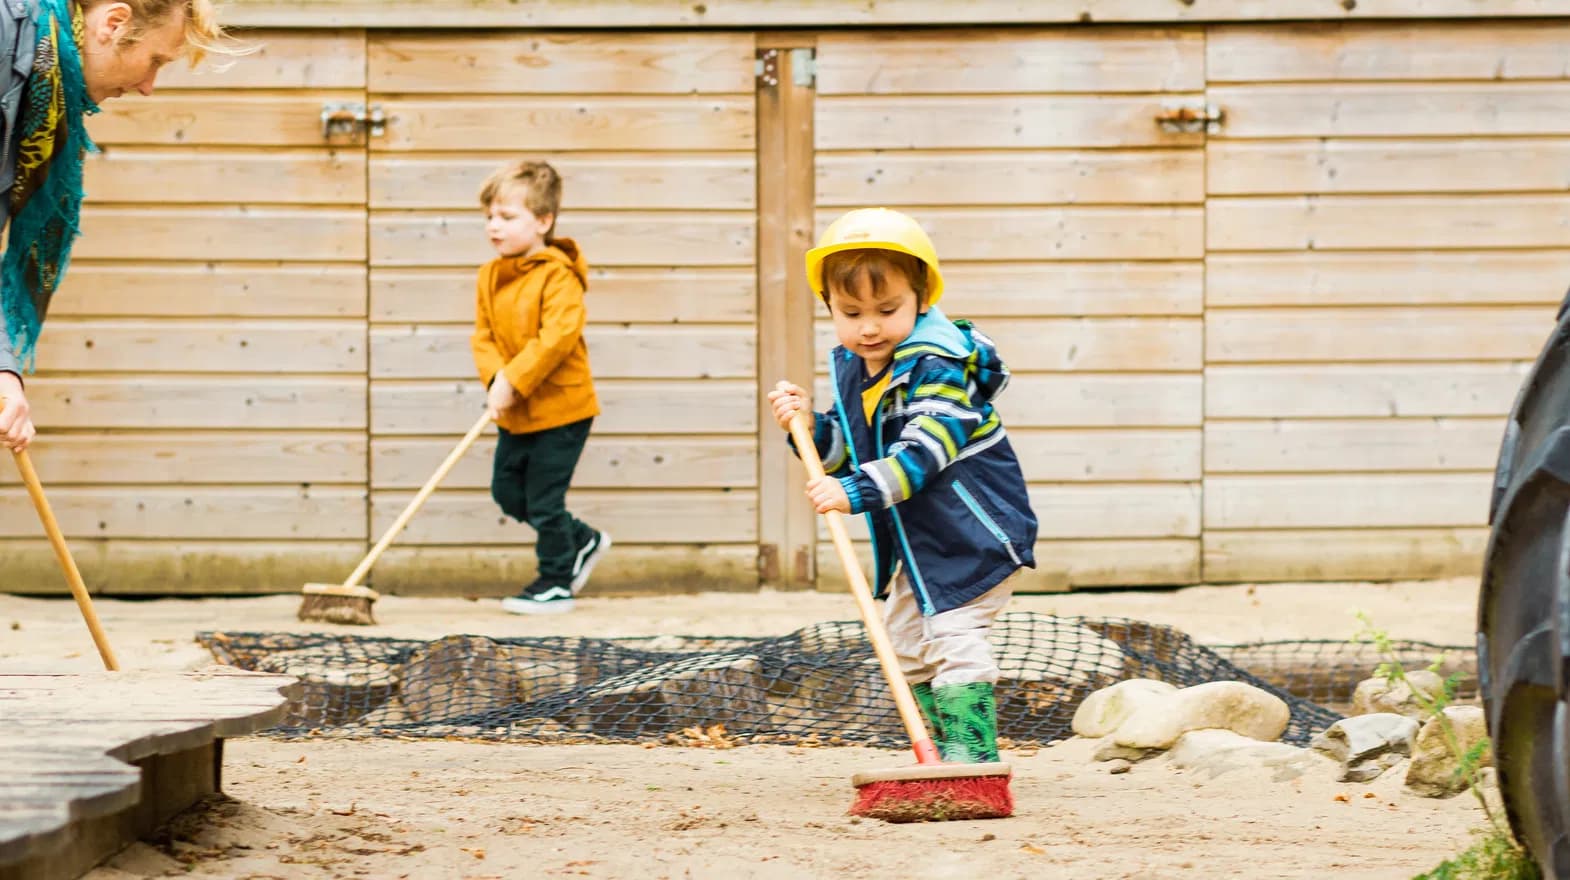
x=588 y=555
x=540 y=597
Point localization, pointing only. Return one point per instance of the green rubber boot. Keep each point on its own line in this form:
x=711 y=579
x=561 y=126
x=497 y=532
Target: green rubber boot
x=969 y=721
x=929 y=708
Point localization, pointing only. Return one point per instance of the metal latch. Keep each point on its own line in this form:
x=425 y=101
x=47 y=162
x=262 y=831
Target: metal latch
x=1188 y=116
x=346 y=118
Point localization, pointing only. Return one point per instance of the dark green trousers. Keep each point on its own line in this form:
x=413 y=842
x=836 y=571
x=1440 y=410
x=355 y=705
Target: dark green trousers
x=530 y=481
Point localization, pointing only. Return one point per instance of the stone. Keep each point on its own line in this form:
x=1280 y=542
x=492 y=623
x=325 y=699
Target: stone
x=1047 y=671
x=1377 y=695
x=1111 y=751
x=1119 y=766
x=1227 y=705
x=455 y=676
x=1433 y=769
x=1367 y=745
x=1216 y=753
x=1102 y=711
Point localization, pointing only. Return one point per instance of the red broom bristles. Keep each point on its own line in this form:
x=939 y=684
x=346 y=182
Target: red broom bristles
x=935 y=800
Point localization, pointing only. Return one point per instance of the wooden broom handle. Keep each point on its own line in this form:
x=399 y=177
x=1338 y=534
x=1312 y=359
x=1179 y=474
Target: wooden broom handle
x=67 y=564
x=926 y=753
x=419 y=499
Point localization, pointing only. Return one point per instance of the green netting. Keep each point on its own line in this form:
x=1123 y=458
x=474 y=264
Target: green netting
x=820 y=684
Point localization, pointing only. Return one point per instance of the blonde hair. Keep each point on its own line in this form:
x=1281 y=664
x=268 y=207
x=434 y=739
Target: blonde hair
x=203 y=33
x=538 y=182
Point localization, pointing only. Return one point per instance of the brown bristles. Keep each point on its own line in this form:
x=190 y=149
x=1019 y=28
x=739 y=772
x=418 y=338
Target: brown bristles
x=334 y=603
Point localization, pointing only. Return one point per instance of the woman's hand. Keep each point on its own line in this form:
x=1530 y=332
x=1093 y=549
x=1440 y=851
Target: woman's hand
x=16 y=421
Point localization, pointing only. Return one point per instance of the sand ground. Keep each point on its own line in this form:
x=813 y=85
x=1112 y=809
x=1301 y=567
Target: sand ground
x=398 y=809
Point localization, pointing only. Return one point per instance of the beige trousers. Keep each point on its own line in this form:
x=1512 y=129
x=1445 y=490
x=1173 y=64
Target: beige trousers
x=946 y=648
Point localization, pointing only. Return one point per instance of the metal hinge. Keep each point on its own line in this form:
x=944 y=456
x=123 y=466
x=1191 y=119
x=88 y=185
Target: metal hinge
x=1190 y=116
x=803 y=67
x=347 y=117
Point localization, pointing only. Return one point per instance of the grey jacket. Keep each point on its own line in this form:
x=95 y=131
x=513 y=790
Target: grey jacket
x=18 y=34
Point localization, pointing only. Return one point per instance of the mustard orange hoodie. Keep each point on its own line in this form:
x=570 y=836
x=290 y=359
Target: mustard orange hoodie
x=528 y=325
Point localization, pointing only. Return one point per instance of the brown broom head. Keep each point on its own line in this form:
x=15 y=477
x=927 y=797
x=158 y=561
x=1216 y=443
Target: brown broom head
x=336 y=603
x=935 y=793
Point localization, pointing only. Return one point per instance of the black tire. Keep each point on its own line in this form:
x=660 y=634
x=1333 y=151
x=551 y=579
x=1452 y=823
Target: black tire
x=1523 y=616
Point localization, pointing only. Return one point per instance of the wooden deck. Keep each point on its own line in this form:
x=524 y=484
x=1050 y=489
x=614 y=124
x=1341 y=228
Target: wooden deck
x=91 y=762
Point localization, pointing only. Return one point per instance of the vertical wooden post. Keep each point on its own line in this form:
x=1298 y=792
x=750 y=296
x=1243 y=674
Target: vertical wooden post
x=787 y=528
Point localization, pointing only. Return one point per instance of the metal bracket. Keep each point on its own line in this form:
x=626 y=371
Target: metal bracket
x=804 y=67
x=1190 y=117
x=767 y=67
x=347 y=118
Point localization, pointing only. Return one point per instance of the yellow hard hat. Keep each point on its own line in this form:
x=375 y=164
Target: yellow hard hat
x=876 y=228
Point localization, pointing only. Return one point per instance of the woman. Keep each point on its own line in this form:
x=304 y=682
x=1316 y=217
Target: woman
x=80 y=53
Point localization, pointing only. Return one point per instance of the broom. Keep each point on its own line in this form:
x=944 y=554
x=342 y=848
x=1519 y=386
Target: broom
x=350 y=603
x=931 y=791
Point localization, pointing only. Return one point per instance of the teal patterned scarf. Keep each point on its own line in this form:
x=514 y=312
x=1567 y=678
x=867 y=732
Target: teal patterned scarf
x=46 y=194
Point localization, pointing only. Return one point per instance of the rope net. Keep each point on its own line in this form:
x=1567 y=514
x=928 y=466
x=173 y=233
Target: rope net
x=820 y=685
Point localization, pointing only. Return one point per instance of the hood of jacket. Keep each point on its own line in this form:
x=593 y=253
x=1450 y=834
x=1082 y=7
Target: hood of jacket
x=958 y=340
x=560 y=250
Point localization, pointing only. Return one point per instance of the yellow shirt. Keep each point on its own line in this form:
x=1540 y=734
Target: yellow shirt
x=872 y=391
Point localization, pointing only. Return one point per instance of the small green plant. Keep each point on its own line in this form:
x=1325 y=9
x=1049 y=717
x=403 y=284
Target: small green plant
x=1494 y=854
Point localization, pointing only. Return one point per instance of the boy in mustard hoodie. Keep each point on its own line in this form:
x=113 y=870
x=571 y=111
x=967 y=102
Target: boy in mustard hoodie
x=528 y=345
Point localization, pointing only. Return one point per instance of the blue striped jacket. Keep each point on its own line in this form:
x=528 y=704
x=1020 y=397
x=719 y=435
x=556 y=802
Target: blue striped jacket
x=935 y=473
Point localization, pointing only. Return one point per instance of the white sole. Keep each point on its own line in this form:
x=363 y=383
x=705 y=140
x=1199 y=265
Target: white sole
x=514 y=605
x=589 y=562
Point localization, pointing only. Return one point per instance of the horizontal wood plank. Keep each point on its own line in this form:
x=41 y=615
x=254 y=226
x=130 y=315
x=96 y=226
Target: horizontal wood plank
x=821 y=13
x=1069 y=289
x=127 y=567
x=193 y=458
x=143 y=176
x=220 y=233
x=229 y=512
x=685 y=295
x=1014 y=178
x=297 y=403
x=715 y=406
x=1375 y=222
x=640 y=352
x=607 y=463
x=514 y=61
x=1130 y=510
x=280 y=59
x=1339 y=447
x=1075 y=233
x=1342 y=555
x=975 y=61
x=1393 y=110
x=992 y=122
x=250 y=346
x=1433 y=333
x=1361 y=391
x=222 y=119
x=1069 y=400
x=633 y=570
x=634 y=517
x=1387 y=166
x=1377 y=51
x=673 y=181
x=612 y=239
x=1397 y=279
x=1064 y=565
x=1105 y=345
x=577 y=123
x=1102 y=455
x=1347 y=501
x=210 y=289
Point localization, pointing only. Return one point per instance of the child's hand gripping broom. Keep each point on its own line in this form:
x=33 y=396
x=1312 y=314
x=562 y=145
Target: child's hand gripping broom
x=351 y=603
x=931 y=790
x=73 y=577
